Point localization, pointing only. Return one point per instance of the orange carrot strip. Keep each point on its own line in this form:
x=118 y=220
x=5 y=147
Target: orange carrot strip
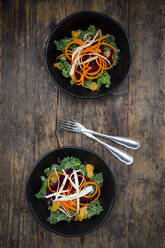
x=89 y=196
x=106 y=44
x=67 y=205
x=63 y=54
x=50 y=177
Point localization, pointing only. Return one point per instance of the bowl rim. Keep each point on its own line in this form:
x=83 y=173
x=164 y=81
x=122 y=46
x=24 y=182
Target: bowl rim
x=113 y=193
x=66 y=18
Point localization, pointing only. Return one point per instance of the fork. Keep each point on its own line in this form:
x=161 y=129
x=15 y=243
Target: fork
x=127 y=142
x=71 y=125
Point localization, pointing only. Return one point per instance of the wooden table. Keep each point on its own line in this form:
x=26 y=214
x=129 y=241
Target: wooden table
x=31 y=105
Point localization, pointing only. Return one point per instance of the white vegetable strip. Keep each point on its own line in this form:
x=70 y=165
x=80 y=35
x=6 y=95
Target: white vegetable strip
x=76 y=180
x=77 y=184
x=62 y=209
x=84 y=192
x=61 y=188
x=73 y=184
x=86 y=61
x=98 y=55
x=59 y=196
x=56 y=193
x=86 y=36
x=82 y=178
x=58 y=180
x=78 y=50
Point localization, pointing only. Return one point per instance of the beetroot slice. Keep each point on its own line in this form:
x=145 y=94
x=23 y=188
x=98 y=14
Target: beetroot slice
x=93 y=68
x=77 y=75
x=110 y=56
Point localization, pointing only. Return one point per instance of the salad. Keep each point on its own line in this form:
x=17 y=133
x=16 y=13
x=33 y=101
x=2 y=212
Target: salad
x=71 y=190
x=86 y=57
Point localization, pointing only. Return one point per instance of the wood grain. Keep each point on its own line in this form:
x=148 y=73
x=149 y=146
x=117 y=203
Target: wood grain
x=31 y=105
x=146 y=178
x=18 y=228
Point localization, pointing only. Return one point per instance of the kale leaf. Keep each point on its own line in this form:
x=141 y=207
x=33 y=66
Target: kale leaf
x=65 y=68
x=70 y=162
x=63 y=58
x=57 y=216
x=94 y=208
x=90 y=29
x=83 y=168
x=104 y=79
x=57 y=166
x=61 y=44
x=110 y=40
x=72 y=82
x=98 y=178
x=87 y=82
x=49 y=170
x=42 y=192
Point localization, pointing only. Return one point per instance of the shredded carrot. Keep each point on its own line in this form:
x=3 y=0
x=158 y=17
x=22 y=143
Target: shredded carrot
x=85 y=55
x=50 y=178
x=63 y=54
x=72 y=204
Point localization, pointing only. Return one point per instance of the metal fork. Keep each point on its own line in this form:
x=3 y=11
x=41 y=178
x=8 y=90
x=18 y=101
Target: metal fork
x=71 y=125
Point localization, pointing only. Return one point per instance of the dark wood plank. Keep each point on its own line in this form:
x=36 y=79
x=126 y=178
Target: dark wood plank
x=146 y=179
x=46 y=96
x=18 y=227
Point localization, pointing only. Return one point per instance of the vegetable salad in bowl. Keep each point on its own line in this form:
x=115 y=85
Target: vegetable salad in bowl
x=86 y=57
x=71 y=190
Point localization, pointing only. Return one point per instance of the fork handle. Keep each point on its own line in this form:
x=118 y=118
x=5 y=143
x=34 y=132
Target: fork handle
x=121 y=155
x=127 y=142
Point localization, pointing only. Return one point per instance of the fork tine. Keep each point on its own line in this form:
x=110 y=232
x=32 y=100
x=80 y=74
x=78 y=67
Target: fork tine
x=66 y=120
x=72 y=120
x=67 y=123
x=69 y=119
x=66 y=128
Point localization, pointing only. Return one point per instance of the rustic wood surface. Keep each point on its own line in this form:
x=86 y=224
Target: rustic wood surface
x=31 y=105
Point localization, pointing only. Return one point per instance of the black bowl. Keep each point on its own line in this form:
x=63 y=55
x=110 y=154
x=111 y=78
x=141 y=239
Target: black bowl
x=81 y=20
x=39 y=208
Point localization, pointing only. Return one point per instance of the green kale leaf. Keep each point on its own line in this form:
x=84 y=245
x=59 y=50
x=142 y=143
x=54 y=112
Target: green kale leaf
x=104 y=79
x=57 y=166
x=94 y=208
x=83 y=168
x=110 y=40
x=117 y=56
x=63 y=58
x=57 y=216
x=42 y=192
x=61 y=44
x=87 y=82
x=72 y=82
x=49 y=170
x=90 y=29
x=65 y=68
x=98 y=178
x=70 y=162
